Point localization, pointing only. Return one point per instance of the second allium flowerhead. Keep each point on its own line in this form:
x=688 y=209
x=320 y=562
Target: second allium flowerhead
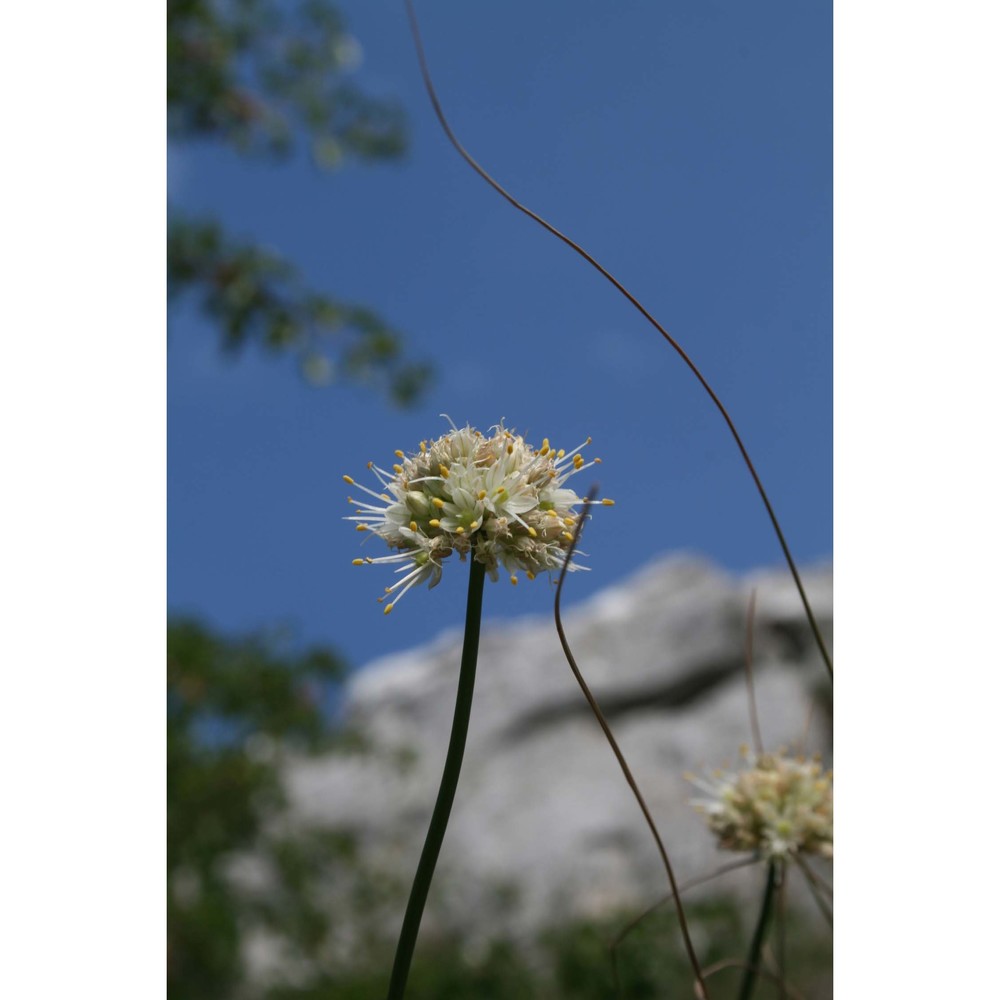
x=495 y=497
x=777 y=806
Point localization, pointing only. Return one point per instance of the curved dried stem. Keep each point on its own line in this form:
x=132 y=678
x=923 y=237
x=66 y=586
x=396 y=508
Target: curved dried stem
x=453 y=139
x=690 y=884
x=817 y=887
x=805 y=729
x=732 y=963
x=758 y=743
x=702 y=991
x=814 y=877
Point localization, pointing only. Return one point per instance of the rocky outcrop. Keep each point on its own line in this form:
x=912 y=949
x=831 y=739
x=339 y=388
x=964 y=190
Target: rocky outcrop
x=544 y=826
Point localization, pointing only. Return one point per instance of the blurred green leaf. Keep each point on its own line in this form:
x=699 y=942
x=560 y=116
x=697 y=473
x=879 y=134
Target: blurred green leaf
x=235 y=708
x=258 y=297
x=254 y=72
x=257 y=75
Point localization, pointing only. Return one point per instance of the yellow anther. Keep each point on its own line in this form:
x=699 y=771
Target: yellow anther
x=397 y=469
x=413 y=525
x=473 y=526
x=350 y=499
x=552 y=473
x=513 y=580
x=438 y=502
x=482 y=495
x=552 y=513
x=399 y=453
x=532 y=532
x=348 y=480
x=361 y=527
x=561 y=453
x=569 y=521
x=460 y=530
x=588 y=441
x=423 y=447
x=387 y=499
x=567 y=536
x=510 y=449
x=443 y=470
x=499 y=490
x=371 y=465
x=577 y=461
x=608 y=503
x=529 y=574
x=387 y=609
x=597 y=461
x=388 y=590
x=357 y=562
x=434 y=522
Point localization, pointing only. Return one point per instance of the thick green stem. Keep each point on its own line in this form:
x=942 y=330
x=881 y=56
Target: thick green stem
x=446 y=793
x=760 y=932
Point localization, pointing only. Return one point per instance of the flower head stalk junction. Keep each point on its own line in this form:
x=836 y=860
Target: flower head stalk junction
x=496 y=498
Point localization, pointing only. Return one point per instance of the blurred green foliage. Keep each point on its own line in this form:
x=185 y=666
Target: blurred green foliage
x=244 y=876
x=256 y=75
x=574 y=963
x=235 y=709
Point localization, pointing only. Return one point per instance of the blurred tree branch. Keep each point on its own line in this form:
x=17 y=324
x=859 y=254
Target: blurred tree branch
x=254 y=74
x=235 y=709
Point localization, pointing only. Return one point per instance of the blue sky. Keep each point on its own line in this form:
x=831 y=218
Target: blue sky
x=688 y=146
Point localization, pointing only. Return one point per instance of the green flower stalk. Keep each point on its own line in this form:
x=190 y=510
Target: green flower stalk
x=501 y=502
x=446 y=792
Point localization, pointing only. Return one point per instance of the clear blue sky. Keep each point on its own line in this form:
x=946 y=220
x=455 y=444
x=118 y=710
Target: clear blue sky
x=688 y=146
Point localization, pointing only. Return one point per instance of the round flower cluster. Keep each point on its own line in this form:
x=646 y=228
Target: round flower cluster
x=777 y=807
x=494 y=497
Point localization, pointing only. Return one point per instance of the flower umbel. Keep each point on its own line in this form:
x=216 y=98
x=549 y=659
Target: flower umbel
x=494 y=497
x=778 y=806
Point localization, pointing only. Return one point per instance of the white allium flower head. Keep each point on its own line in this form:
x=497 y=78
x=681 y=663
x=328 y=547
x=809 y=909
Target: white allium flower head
x=494 y=497
x=776 y=807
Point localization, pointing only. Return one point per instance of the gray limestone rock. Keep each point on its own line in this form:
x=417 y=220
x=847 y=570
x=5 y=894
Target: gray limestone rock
x=544 y=826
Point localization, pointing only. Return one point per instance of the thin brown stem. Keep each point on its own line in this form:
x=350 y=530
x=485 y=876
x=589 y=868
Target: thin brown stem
x=817 y=887
x=758 y=743
x=813 y=877
x=453 y=139
x=733 y=963
x=690 y=884
x=805 y=728
x=622 y=762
